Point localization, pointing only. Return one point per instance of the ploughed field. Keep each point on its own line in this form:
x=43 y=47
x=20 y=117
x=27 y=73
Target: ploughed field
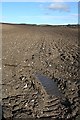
x=49 y=50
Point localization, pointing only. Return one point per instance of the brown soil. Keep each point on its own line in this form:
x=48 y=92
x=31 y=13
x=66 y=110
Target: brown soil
x=49 y=50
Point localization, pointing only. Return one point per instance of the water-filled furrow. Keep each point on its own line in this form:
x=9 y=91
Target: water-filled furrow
x=49 y=85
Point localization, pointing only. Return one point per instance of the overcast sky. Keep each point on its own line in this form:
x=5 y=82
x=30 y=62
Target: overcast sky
x=40 y=12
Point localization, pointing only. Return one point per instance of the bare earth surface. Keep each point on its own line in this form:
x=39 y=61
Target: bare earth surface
x=51 y=51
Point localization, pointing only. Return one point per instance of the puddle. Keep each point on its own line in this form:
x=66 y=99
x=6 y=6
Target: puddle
x=49 y=85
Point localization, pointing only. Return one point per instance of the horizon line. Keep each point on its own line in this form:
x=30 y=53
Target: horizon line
x=38 y=24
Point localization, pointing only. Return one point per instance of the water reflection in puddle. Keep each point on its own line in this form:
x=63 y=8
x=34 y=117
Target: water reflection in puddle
x=50 y=85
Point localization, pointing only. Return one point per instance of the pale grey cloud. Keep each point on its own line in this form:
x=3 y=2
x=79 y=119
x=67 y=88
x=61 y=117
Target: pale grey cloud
x=59 y=7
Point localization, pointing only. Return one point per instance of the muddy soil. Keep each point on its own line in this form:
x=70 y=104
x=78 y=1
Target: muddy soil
x=49 y=50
